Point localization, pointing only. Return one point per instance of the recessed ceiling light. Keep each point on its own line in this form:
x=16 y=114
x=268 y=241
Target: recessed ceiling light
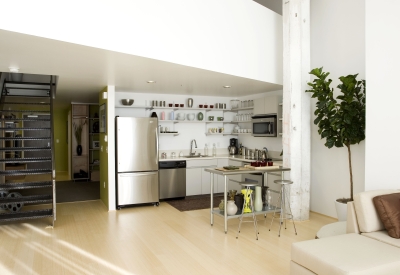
x=227 y=86
x=151 y=81
x=13 y=69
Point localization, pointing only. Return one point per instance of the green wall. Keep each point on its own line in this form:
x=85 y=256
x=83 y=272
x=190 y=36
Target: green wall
x=60 y=132
x=103 y=155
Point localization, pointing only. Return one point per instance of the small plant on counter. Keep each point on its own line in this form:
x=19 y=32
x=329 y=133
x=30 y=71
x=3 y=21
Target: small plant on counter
x=340 y=120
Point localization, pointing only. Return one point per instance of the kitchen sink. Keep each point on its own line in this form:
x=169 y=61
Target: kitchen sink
x=195 y=156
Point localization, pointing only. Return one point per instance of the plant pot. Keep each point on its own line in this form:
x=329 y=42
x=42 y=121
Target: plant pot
x=231 y=208
x=79 y=150
x=341 y=210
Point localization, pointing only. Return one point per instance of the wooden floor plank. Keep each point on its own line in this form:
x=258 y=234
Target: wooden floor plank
x=87 y=239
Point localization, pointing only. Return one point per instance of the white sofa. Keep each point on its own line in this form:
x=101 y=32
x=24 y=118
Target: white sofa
x=366 y=249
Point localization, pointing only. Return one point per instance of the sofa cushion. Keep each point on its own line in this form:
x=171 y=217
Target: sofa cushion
x=367 y=217
x=388 y=208
x=383 y=236
x=347 y=254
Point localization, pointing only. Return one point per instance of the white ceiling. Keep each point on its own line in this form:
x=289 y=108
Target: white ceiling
x=84 y=71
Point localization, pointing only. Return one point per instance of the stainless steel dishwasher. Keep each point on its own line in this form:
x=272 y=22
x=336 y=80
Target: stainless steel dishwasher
x=172 y=176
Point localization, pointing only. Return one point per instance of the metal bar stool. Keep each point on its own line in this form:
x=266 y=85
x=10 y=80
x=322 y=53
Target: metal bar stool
x=248 y=206
x=283 y=199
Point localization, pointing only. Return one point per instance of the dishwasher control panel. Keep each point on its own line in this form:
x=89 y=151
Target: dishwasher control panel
x=172 y=164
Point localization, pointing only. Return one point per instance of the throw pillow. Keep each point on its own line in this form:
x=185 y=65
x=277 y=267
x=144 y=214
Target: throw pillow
x=388 y=208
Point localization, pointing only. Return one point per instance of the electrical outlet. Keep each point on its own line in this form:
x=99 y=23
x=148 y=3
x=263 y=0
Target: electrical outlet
x=104 y=183
x=57 y=140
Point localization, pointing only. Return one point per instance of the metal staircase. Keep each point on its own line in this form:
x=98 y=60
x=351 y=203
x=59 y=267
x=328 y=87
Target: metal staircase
x=27 y=160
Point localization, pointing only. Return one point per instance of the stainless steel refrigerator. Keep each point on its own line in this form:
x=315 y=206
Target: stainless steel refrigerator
x=136 y=160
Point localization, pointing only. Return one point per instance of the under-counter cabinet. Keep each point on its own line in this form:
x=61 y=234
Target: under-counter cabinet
x=193 y=181
x=197 y=181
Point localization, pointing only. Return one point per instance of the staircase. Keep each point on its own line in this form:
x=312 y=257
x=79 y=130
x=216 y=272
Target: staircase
x=27 y=162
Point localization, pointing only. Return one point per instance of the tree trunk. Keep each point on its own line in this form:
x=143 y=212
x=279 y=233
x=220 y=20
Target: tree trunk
x=351 y=173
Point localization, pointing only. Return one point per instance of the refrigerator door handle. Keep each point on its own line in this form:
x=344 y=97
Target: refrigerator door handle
x=128 y=175
x=157 y=144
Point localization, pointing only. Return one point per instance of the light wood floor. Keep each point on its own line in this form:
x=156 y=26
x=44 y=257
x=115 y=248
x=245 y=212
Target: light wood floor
x=147 y=240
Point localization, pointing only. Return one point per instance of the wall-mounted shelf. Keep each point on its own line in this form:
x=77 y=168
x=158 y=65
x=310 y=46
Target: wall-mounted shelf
x=219 y=134
x=169 y=134
x=238 y=109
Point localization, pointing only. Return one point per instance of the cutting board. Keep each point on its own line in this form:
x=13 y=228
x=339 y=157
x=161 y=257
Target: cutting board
x=262 y=167
x=235 y=170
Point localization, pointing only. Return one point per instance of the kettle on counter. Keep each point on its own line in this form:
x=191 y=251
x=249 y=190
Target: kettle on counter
x=232 y=150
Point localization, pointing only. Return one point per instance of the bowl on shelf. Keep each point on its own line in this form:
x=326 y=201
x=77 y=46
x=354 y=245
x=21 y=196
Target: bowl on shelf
x=180 y=116
x=211 y=118
x=181 y=105
x=176 y=105
x=127 y=102
x=220 y=118
x=190 y=116
x=170 y=104
x=211 y=106
x=201 y=106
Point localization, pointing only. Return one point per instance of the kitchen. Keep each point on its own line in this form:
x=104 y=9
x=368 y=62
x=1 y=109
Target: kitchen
x=175 y=146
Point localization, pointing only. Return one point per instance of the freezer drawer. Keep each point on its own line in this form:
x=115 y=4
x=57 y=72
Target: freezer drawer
x=135 y=188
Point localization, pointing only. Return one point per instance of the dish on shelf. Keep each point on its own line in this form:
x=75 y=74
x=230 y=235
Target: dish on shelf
x=211 y=118
x=190 y=116
x=127 y=102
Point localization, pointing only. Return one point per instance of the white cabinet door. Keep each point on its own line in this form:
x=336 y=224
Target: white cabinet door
x=193 y=181
x=206 y=181
x=259 y=106
x=271 y=104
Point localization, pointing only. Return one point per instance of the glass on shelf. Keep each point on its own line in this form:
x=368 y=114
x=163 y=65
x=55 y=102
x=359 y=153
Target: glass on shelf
x=234 y=104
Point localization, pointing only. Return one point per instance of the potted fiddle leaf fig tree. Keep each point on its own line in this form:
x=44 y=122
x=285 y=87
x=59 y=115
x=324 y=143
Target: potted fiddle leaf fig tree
x=340 y=120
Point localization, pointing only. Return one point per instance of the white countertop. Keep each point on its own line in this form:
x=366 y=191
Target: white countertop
x=221 y=156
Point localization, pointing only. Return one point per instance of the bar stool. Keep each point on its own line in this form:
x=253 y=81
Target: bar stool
x=248 y=206
x=283 y=197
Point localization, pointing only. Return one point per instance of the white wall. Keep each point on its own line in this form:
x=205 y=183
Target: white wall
x=236 y=37
x=189 y=131
x=338 y=45
x=382 y=70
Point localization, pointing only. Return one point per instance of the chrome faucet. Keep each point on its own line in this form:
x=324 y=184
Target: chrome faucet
x=191 y=145
x=266 y=152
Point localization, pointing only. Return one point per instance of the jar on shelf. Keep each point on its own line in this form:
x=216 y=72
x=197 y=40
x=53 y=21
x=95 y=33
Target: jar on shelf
x=234 y=103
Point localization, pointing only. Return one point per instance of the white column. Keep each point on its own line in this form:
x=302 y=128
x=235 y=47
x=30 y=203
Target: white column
x=296 y=103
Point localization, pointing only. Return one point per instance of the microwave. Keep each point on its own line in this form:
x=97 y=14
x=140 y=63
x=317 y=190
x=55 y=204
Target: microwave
x=264 y=125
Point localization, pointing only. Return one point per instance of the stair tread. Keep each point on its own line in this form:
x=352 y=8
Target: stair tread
x=25 y=160
x=28 y=199
x=24 y=148
x=24 y=128
x=25 y=185
x=25 y=172
x=24 y=138
x=34 y=214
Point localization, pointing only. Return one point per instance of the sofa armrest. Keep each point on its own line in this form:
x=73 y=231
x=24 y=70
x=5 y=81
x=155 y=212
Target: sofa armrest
x=352 y=224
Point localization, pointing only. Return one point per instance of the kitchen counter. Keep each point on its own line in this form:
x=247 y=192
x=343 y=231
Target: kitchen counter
x=221 y=156
x=236 y=172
